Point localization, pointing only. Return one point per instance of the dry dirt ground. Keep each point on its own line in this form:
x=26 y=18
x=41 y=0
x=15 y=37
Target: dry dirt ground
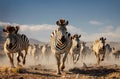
x=43 y=72
x=46 y=69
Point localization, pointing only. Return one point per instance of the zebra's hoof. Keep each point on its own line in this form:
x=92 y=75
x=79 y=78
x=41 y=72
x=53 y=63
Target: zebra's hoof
x=12 y=67
x=58 y=73
x=62 y=68
x=96 y=65
x=19 y=65
x=23 y=62
x=74 y=62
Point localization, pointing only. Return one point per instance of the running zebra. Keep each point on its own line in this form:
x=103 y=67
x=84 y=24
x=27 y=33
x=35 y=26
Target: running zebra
x=46 y=51
x=60 y=42
x=75 y=49
x=99 y=49
x=15 y=43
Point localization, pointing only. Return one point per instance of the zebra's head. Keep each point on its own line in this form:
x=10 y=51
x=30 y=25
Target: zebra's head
x=102 y=42
x=62 y=33
x=11 y=29
x=10 y=35
x=83 y=44
x=36 y=45
x=108 y=48
x=76 y=40
x=11 y=41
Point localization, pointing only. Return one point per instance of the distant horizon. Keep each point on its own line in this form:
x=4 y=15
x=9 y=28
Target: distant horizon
x=42 y=32
x=81 y=41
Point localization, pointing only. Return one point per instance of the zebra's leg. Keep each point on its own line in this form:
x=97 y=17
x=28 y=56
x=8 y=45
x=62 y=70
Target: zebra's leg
x=98 y=59
x=33 y=55
x=24 y=58
x=18 y=59
x=78 y=57
x=73 y=56
x=82 y=57
x=103 y=57
x=58 y=57
x=22 y=55
x=63 y=61
x=11 y=59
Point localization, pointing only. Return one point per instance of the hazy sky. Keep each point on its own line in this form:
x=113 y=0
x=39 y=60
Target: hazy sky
x=90 y=18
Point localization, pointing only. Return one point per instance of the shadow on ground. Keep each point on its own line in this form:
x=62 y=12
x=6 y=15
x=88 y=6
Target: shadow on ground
x=90 y=71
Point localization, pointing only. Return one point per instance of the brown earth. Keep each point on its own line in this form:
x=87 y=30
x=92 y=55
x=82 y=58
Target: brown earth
x=43 y=72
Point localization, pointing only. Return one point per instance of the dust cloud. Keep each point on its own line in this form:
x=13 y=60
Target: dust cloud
x=50 y=62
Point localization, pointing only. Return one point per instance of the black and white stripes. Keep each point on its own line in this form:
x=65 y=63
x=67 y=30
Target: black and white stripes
x=60 y=41
x=15 y=43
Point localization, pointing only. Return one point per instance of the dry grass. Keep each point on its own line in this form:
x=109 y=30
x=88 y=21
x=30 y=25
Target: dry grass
x=114 y=75
x=96 y=73
x=4 y=69
x=18 y=70
x=107 y=72
x=13 y=70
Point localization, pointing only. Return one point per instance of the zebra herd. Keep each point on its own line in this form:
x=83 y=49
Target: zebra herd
x=37 y=51
x=62 y=43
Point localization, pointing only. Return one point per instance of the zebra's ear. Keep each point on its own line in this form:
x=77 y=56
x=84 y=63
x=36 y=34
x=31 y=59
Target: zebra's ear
x=58 y=23
x=104 y=38
x=79 y=36
x=66 y=23
x=16 y=29
x=101 y=38
x=4 y=30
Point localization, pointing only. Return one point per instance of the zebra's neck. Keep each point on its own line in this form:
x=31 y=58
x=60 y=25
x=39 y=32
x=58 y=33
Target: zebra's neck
x=13 y=44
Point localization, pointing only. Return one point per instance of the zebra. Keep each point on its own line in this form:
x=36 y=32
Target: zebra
x=36 y=52
x=115 y=53
x=15 y=43
x=85 y=51
x=75 y=48
x=60 y=42
x=99 y=49
x=46 y=51
x=108 y=51
x=30 y=48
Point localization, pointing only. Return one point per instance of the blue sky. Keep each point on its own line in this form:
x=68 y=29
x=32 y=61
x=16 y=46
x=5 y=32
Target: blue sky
x=89 y=16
